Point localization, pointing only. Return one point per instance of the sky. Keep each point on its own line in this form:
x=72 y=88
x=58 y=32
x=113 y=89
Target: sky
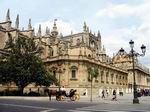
x=119 y=21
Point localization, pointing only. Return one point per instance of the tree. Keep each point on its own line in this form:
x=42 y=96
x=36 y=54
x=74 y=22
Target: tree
x=24 y=65
x=92 y=73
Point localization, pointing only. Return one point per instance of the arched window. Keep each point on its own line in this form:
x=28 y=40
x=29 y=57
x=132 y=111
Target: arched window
x=120 y=77
x=74 y=72
x=89 y=56
x=78 y=41
x=92 y=44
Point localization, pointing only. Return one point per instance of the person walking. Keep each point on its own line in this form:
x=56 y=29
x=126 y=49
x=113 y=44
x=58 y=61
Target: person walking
x=107 y=93
x=114 y=96
x=103 y=94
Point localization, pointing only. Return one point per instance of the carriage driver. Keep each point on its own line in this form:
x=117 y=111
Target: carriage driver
x=63 y=90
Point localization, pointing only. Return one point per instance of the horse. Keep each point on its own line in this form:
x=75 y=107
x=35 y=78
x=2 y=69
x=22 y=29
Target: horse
x=51 y=93
x=60 y=95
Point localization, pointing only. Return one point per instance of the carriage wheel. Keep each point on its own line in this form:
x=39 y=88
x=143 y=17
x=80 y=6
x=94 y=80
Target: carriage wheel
x=62 y=98
x=73 y=98
x=77 y=96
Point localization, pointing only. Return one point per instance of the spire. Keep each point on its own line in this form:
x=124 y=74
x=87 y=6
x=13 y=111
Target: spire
x=47 y=30
x=71 y=32
x=61 y=35
x=17 y=22
x=98 y=34
x=55 y=27
x=104 y=50
x=8 y=16
x=84 y=27
x=88 y=29
x=94 y=33
x=39 y=31
x=54 y=31
x=99 y=41
x=29 y=25
x=33 y=33
x=22 y=28
x=113 y=54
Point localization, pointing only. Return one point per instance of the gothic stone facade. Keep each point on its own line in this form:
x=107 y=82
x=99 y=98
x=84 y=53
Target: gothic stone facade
x=69 y=58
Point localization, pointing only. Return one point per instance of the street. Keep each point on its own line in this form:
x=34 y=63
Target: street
x=42 y=104
x=12 y=105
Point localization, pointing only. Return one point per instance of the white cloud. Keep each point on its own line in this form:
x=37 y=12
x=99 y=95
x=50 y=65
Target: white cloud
x=122 y=10
x=120 y=37
x=114 y=11
x=63 y=27
x=114 y=41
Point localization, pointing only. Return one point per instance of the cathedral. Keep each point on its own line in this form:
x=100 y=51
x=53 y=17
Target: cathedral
x=70 y=57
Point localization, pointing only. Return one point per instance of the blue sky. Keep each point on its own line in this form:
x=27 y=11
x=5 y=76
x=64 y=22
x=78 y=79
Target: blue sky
x=119 y=21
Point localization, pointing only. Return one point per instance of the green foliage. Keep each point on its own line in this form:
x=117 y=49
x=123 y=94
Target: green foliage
x=92 y=73
x=24 y=65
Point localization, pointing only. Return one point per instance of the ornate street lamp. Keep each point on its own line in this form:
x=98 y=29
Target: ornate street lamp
x=121 y=51
x=134 y=54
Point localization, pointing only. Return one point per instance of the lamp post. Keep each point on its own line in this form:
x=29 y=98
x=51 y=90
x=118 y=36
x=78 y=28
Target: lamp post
x=90 y=73
x=134 y=54
x=91 y=88
x=59 y=71
x=59 y=81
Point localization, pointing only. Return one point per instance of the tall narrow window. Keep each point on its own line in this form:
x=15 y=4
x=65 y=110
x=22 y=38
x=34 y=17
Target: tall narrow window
x=74 y=72
x=51 y=52
x=54 y=73
x=73 y=76
x=107 y=77
x=116 y=79
x=102 y=76
x=78 y=41
x=120 y=80
x=112 y=76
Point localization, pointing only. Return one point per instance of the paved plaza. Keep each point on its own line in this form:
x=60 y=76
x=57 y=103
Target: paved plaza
x=42 y=104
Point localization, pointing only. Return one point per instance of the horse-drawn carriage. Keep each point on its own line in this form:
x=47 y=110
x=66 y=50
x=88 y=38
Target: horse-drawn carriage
x=61 y=95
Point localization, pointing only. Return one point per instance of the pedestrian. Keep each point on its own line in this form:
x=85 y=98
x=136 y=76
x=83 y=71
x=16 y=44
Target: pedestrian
x=107 y=93
x=114 y=96
x=103 y=94
x=85 y=92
